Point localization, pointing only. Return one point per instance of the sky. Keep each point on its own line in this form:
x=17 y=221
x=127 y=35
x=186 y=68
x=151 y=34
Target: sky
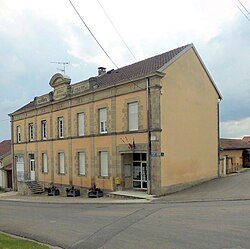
x=35 y=33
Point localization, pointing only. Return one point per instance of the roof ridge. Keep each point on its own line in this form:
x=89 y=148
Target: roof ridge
x=150 y=58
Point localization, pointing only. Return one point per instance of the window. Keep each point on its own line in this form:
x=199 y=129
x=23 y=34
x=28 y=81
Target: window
x=60 y=127
x=104 y=163
x=44 y=129
x=44 y=163
x=80 y=124
x=81 y=164
x=103 y=120
x=31 y=132
x=61 y=165
x=18 y=129
x=133 y=116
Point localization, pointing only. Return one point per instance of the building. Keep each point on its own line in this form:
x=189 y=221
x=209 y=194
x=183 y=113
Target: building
x=234 y=155
x=5 y=164
x=152 y=126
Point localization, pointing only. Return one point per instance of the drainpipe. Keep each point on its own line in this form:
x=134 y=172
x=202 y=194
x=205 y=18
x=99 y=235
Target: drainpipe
x=149 y=139
x=14 y=179
x=218 y=127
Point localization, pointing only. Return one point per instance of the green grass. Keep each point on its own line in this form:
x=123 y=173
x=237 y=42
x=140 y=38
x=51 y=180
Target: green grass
x=8 y=242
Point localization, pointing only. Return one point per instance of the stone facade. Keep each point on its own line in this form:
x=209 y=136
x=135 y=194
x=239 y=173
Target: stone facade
x=116 y=156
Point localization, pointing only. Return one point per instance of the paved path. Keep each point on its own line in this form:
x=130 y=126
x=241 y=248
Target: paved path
x=181 y=220
x=231 y=187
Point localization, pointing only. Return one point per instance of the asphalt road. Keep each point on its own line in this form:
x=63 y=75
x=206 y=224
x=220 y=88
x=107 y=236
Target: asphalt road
x=190 y=222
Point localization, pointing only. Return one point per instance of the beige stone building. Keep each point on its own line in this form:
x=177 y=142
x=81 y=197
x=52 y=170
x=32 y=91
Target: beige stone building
x=151 y=126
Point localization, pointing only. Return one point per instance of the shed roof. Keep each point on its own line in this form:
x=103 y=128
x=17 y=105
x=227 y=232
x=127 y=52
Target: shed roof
x=233 y=144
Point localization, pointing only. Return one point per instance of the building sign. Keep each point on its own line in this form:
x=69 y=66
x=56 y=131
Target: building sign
x=60 y=92
x=80 y=87
x=43 y=99
x=60 y=83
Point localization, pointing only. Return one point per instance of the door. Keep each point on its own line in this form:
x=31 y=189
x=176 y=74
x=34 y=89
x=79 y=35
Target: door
x=20 y=167
x=32 y=168
x=9 y=179
x=139 y=171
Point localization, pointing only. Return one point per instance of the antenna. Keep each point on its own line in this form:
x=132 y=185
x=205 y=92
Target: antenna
x=63 y=63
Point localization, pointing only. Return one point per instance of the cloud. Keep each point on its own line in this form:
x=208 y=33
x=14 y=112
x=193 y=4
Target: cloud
x=235 y=129
x=34 y=33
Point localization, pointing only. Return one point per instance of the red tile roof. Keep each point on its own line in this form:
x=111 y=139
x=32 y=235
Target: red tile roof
x=233 y=144
x=5 y=147
x=246 y=139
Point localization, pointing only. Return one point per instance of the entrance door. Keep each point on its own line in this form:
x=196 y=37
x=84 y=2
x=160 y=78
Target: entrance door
x=9 y=179
x=32 y=168
x=20 y=167
x=139 y=171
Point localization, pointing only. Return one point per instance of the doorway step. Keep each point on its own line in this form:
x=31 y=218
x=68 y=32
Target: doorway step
x=34 y=187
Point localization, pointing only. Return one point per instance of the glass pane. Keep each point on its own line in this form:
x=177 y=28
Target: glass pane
x=136 y=184
x=144 y=171
x=136 y=156
x=137 y=172
x=144 y=184
x=144 y=157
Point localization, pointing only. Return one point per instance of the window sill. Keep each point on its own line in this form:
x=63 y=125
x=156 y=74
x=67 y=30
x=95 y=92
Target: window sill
x=103 y=177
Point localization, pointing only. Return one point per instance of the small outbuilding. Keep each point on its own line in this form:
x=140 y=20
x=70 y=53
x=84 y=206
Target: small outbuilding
x=5 y=164
x=234 y=155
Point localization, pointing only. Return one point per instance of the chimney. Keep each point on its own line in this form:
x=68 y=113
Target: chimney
x=101 y=70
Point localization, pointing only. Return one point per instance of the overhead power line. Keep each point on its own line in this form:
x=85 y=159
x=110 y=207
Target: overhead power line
x=4 y=120
x=100 y=43
x=119 y=34
x=244 y=7
x=92 y=34
x=248 y=18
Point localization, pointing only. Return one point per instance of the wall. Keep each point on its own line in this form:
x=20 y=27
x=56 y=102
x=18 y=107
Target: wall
x=115 y=142
x=234 y=160
x=189 y=124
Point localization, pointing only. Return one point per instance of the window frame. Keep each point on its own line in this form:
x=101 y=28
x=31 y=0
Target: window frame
x=79 y=123
x=43 y=163
x=61 y=168
x=133 y=117
x=103 y=113
x=18 y=134
x=31 y=132
x=83 y=166
x=104 y=165
x=44 y=129
x=60 y=127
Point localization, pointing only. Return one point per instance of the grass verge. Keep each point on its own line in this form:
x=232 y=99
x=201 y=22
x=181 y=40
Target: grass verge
x=8 y=242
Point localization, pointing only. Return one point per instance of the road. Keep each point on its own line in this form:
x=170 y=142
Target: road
x=181 y=224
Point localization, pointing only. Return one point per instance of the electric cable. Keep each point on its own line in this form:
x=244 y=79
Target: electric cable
x=105 y=12
x=100 y=44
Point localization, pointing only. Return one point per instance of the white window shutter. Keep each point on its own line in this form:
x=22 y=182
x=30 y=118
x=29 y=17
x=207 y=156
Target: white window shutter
x=133 y=116
x=81 y=158
x=104 y=163
x=45 y=162
x=80 y=124
x=61 y=163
